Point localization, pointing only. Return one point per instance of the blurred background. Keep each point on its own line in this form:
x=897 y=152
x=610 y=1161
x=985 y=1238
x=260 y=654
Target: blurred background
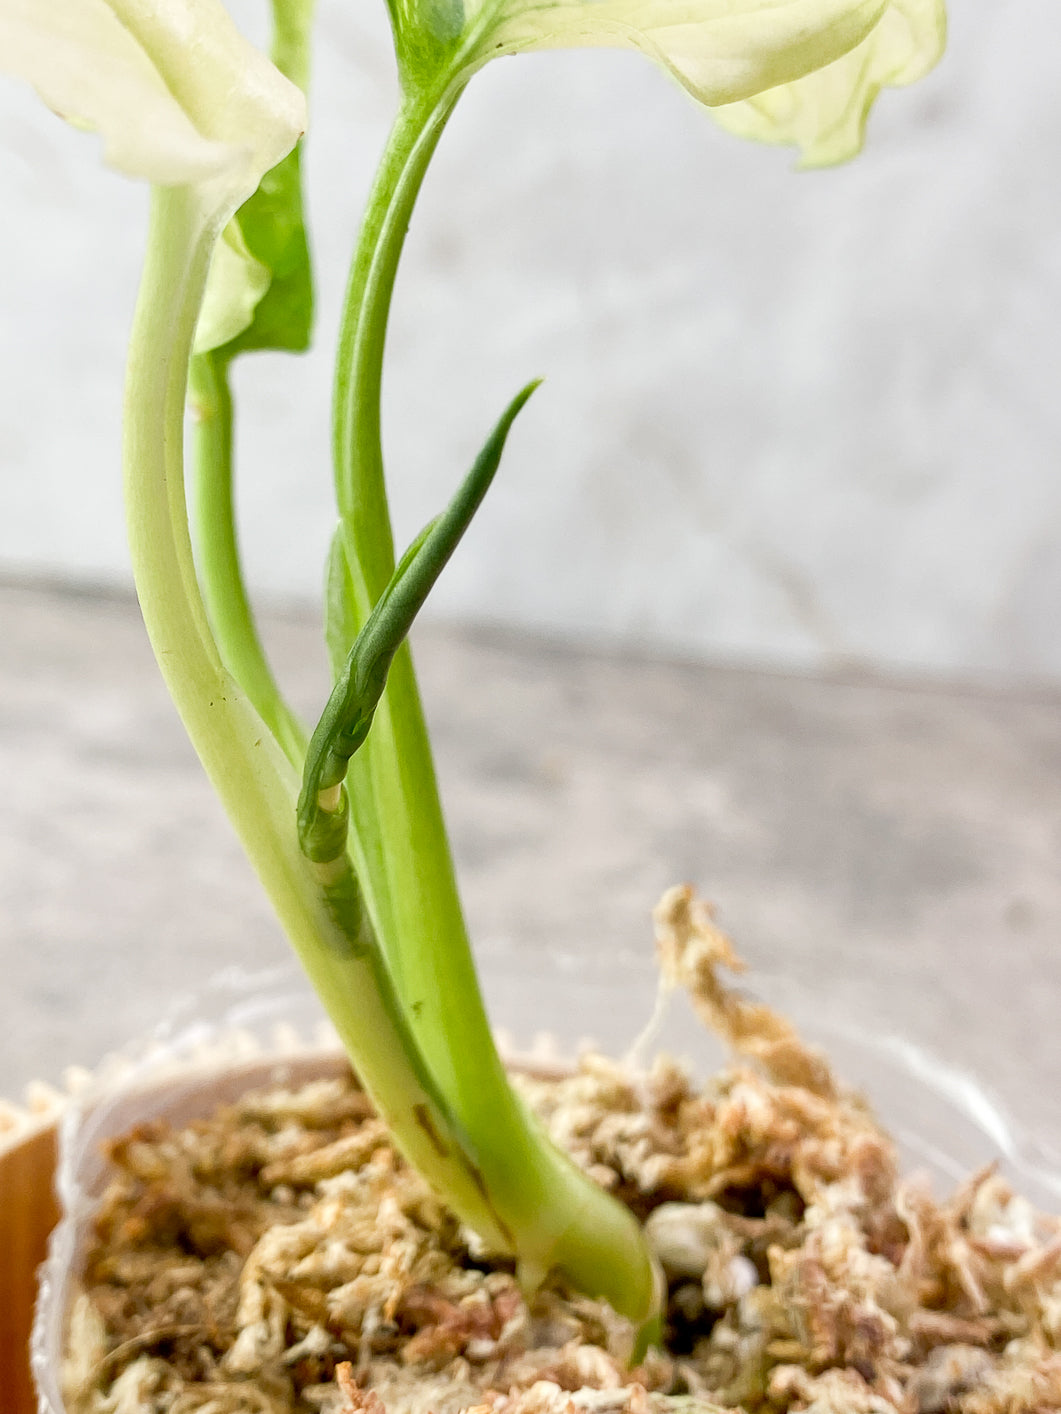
x=765 y=595
x=788 y=420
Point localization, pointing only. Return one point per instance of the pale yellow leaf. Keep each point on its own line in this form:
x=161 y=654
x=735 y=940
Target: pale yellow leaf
x=824 y=114
x=171 y=86
x=721 y=50
x=235 y=285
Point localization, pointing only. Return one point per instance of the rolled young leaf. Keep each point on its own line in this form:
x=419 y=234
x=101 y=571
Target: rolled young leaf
x=347 y=718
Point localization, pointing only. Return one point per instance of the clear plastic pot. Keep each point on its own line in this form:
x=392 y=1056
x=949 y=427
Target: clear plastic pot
x=247 y=1030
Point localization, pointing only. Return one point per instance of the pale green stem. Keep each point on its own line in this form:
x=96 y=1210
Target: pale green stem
x=517 y=1192
x=401 y=843
x=556 y=1215
x=218 y=559
x=255 y=782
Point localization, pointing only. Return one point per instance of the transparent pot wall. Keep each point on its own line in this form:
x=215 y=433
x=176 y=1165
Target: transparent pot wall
x=944 y=1121
x=252 y=1029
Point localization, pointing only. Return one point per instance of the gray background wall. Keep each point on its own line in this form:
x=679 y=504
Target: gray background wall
x=789 y=419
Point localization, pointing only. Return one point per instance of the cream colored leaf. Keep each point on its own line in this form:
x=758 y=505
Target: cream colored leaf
x=235 y=285
x=720 y=50
x=824 y=113
x=174 y=90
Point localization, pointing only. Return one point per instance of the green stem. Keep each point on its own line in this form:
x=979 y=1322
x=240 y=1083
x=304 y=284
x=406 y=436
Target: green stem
x=411 y=884
x=557 y=1216
x=520 y=1195
x=255 y=782
x=220 y=571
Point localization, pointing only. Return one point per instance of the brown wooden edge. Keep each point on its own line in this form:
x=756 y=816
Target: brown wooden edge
x=28 y=1212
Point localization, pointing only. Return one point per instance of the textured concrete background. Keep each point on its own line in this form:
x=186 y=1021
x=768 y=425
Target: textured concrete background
x=890 y=849
x=806 y=420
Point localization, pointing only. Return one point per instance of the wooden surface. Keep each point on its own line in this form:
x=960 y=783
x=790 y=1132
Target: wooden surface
x=27 y=1215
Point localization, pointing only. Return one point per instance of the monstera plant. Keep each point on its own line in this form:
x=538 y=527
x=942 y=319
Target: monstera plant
x=343 y=823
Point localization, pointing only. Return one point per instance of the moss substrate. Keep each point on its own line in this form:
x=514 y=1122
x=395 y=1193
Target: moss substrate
x=280 y=1256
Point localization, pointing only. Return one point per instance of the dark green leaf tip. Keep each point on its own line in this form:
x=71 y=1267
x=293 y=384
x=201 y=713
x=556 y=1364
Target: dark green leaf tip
x=348 y=713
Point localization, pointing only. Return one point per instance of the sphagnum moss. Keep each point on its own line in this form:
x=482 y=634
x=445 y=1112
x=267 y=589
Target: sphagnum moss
x=281 y=1257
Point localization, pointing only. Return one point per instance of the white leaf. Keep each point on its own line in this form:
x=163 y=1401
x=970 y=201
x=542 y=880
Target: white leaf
x=236 y=284
x=824 y=113
x=721 y=50
x=174 y=90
